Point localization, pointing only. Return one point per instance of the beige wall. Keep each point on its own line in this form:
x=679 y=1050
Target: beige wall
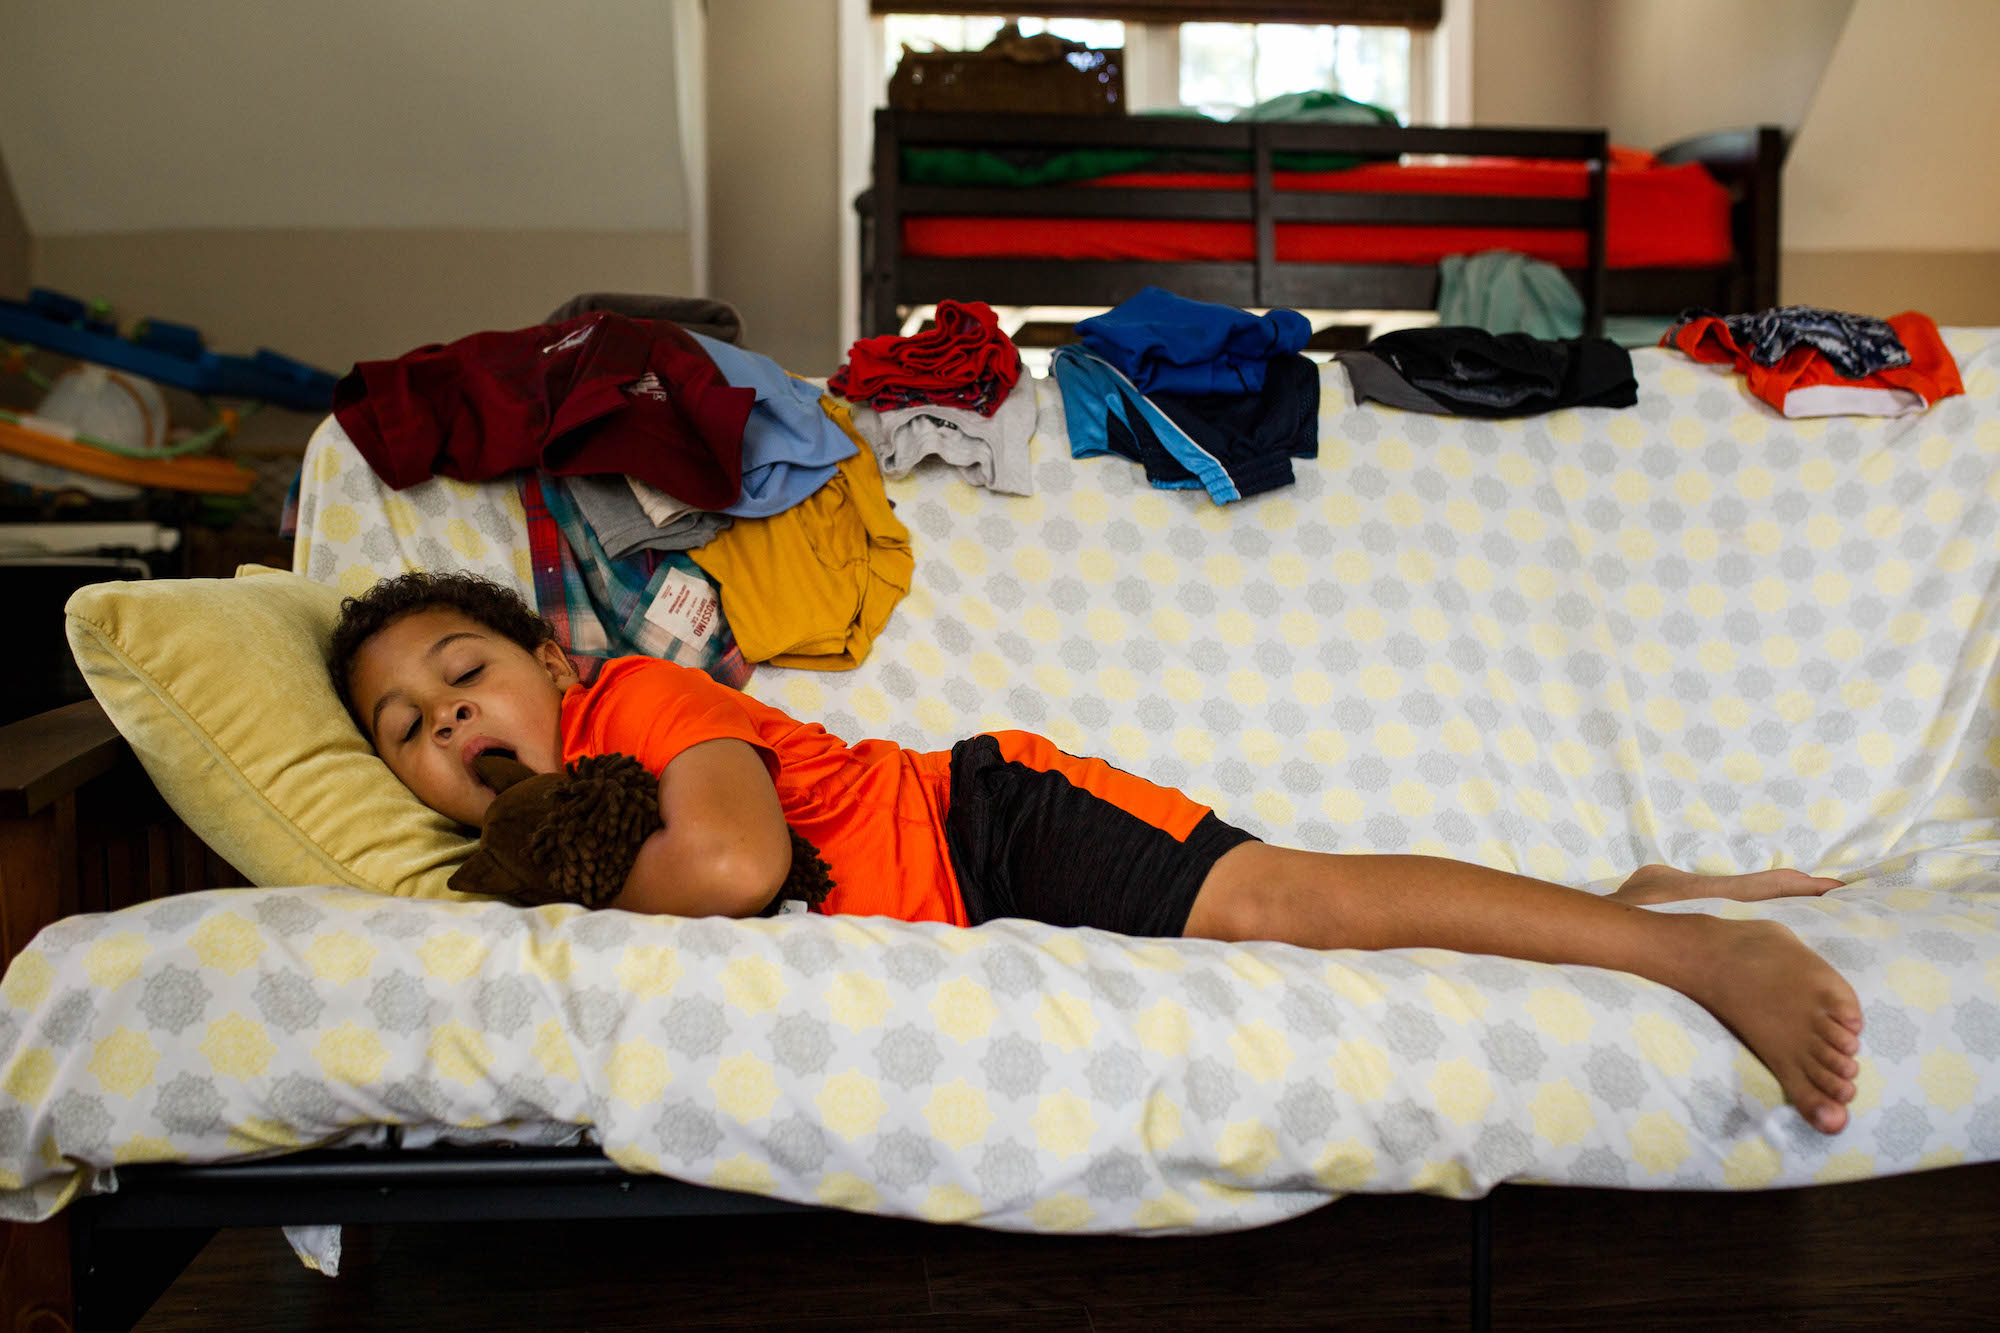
x=16 y=251
x=1951 y=286
x=1650 y=71
x=1534 y=62
x=344 y=181
x=773 y=193
x=1898 y=148
x=116 y=116
x=1669 y=69
x=332 y=298
x=1890 y=203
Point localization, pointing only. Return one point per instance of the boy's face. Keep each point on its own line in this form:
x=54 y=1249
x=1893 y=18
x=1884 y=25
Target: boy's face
x=437 y=688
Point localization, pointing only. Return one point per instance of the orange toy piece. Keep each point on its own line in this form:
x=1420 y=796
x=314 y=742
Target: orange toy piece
x=207 y=476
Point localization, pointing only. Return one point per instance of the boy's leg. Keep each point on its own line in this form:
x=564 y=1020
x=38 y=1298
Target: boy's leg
x=1783 y=1000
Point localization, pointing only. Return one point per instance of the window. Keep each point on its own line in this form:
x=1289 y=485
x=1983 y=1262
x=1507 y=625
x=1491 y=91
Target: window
x=1218 y=68
x=1421 y=72
x=1224 y=67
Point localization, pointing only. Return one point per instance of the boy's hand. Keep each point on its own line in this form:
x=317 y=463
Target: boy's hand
x=588 y=836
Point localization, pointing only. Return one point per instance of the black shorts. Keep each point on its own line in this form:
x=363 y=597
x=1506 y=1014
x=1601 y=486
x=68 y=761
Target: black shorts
x=1037 y=833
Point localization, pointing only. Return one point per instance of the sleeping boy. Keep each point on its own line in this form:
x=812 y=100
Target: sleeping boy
x=440 y=669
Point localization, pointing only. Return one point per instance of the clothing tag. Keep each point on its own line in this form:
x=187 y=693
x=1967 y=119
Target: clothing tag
x=686 y=607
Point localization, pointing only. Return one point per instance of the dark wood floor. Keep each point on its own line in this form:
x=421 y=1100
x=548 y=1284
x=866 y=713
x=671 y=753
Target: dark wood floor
x=1563 y=1259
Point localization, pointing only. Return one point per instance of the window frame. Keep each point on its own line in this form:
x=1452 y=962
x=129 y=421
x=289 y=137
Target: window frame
x=1153 y=62
x=1440 y=93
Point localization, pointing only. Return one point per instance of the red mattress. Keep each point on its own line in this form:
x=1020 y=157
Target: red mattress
x=1656 y=217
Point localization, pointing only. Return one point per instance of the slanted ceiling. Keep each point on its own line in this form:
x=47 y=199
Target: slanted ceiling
x=1896 y=150
x=204 y=114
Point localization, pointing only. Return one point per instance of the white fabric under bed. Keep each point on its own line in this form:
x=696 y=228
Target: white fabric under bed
x=1688 y=631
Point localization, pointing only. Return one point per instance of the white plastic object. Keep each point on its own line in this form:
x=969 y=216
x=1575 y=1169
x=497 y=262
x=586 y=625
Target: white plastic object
x=108 y=405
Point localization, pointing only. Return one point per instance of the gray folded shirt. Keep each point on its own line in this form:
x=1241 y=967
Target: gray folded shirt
x=990 y=451
x=1372 y=377
x=622 y=528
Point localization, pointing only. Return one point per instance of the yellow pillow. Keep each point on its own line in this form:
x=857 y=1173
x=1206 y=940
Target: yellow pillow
x=220 y=686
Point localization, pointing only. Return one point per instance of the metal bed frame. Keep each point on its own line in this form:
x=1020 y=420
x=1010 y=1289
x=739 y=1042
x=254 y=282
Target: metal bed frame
x=83 y=830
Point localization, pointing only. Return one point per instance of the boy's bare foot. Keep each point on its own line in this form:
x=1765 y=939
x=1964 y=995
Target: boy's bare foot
x=1664 y=884
x=1789 y=1006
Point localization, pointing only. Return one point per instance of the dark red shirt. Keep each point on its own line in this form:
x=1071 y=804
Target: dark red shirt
x=597 y=393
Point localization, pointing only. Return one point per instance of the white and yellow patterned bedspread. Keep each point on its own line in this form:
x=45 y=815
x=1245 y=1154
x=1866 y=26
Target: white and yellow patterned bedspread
x=1689 y=631
x=354 y=528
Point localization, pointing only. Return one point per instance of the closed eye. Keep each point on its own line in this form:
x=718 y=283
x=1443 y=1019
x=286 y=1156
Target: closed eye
x=411 y=734
x=468 y=676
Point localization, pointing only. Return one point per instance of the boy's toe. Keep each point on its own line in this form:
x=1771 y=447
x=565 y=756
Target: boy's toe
x=1830 y=1083
x=1830 y=1056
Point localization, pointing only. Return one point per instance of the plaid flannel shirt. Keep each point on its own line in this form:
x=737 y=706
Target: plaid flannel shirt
x=598 y=605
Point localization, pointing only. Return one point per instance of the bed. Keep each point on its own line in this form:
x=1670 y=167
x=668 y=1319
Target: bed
x=1689 y=631
x=1697 y=225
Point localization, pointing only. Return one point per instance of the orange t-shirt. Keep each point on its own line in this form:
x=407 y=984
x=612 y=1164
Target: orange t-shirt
x=874 y=810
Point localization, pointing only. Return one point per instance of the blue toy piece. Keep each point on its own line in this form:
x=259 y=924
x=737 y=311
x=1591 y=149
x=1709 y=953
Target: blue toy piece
x=170 y=353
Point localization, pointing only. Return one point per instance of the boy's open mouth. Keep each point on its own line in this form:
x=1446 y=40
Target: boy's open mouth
x=483 y=747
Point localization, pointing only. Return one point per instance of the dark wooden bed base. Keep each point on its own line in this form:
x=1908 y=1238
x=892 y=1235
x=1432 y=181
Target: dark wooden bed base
x=83 y=830
x=1747 y=162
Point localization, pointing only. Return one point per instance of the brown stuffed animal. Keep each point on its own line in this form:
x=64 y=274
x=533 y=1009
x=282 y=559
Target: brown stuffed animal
x=573 y=836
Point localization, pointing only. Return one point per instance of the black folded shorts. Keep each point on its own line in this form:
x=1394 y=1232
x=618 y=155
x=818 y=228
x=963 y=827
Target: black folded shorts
x=1037 y=833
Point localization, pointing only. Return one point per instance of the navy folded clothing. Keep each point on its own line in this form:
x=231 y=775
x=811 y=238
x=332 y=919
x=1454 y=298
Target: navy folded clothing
x=1255 y=436
x=1167 y=343
x=1231 y=445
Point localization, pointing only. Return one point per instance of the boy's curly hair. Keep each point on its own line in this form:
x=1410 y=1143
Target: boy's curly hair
x=498 y=608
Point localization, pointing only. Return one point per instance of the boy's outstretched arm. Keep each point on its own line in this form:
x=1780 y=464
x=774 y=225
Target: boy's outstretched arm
x=725 y=850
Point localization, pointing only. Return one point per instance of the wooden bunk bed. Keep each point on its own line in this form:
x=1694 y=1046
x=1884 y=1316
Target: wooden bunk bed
x=1742 y=272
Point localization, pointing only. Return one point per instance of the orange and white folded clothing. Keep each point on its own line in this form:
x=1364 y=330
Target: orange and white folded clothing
x=1804 y=383
x=811 y=586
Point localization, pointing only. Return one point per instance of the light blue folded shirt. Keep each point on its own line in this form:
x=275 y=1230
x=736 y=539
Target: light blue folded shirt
x=791 y=447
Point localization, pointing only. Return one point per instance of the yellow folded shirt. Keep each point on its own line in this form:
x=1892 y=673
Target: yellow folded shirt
x=812 y=586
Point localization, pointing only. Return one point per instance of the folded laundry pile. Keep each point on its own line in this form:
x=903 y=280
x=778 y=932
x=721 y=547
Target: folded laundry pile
x=955 y=390
x=1198 y=394
x=1809 y=362
x=1454 y=371
x=655 y=464
x=599 y=393
x=813 y=587
x=790 y=449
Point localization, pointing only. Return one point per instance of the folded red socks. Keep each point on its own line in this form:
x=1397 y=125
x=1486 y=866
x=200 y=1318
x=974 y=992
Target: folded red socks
x=963 y=360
